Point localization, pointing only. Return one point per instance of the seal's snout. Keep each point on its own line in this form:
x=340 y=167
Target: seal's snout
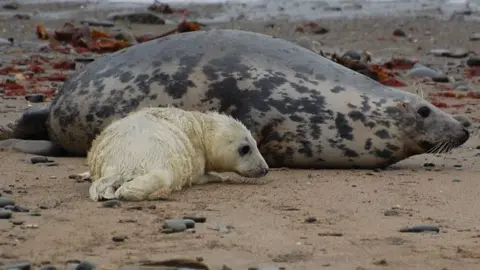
x=264 y=171
x=464 y=138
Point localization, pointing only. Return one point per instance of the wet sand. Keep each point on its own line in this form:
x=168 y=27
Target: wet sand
x=303 y=219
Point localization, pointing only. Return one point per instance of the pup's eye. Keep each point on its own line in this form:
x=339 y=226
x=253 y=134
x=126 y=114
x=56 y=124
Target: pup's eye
x=244 y=150
x=424 y=111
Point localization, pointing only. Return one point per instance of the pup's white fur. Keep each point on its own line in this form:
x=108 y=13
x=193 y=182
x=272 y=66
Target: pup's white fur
x=154 y=151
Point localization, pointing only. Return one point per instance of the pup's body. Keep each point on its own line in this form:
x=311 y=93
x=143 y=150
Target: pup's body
x=154 y=151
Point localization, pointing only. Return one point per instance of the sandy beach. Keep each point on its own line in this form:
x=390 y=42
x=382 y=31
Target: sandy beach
x=302 y=219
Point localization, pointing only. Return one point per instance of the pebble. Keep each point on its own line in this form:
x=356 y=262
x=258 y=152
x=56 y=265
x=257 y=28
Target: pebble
x=118 y=238
x=391 y=213
x=35 y=98
x=11 y=6
x=4 y=201
x=35 y=214
x=5 y=214
x=399 y=33
x=474 y=61
x=35 y=160
x=136 y=17
x=421 y=228
x=311 y=220
x=27 y=265
x=111 y=203
x=84 y=265
x=458 y=53
x=97 y=23
x=420 y=70
x=196 y=219
x=17 y=222
x=475 y=37
x=178 y=225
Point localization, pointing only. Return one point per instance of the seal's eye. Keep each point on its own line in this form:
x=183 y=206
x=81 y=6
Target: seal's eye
x=244 y=150
x=424 y=111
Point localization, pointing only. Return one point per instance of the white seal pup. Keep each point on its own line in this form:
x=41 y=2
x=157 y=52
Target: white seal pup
x=154 y=151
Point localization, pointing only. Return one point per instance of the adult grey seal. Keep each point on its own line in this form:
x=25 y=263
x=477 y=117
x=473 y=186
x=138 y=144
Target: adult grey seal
x=304 y=110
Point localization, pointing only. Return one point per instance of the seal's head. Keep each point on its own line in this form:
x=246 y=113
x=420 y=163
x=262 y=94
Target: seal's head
x=231 y=147
x=427 y=129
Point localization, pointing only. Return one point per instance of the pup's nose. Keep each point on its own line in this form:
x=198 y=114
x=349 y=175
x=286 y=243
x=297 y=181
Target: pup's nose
x=264 y=171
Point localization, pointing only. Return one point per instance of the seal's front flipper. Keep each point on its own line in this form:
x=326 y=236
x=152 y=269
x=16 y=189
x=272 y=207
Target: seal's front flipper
x=155 y=183
x=104 y=188
x=34 y=147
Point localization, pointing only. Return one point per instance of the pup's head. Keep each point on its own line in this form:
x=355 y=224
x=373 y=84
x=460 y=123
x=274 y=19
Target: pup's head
x=232 y=148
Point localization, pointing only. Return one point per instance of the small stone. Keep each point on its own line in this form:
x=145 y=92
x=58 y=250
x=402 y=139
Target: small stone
x=4 y=201
x=5 y=214
x=399 y=33
x=440 y=52
x=311 y=220
x=26 y=265
x=429 y=165
x=352 y=55
x=17 y=222
x=111 y=203
x=380 y=262
x=196 y=219
x=458 y=53
x=97 y=23
x=475 y=37
x=474 y=61
x=419 y=70
x=391 y=212
x=35 y=160
x=35 y=98
x=136 y=17
x=177 y=225
x=118 y=238
x=456 y=181
x=11 y=6
x=421 y=228
x=35 y=214
x=84 y=265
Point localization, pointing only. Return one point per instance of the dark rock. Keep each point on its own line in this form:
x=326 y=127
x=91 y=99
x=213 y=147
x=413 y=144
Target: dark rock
x=196 y=219
x=441 y=79
x=4 y=201
x=391 y=212
x=5 y=214
x=21 y=16
x=84 y=265
x=26 y=265
x=137 y=17
x=421 y=228
x=35 y=160
x=35 y=98
x=474 y=61
x=118 y=238
x=11 y=6
x=399 y=33
x=311 y=220
x=111 y=203
x=35 y=214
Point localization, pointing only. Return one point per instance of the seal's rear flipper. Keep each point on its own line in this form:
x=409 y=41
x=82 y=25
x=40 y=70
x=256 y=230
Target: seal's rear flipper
x=34 y=147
